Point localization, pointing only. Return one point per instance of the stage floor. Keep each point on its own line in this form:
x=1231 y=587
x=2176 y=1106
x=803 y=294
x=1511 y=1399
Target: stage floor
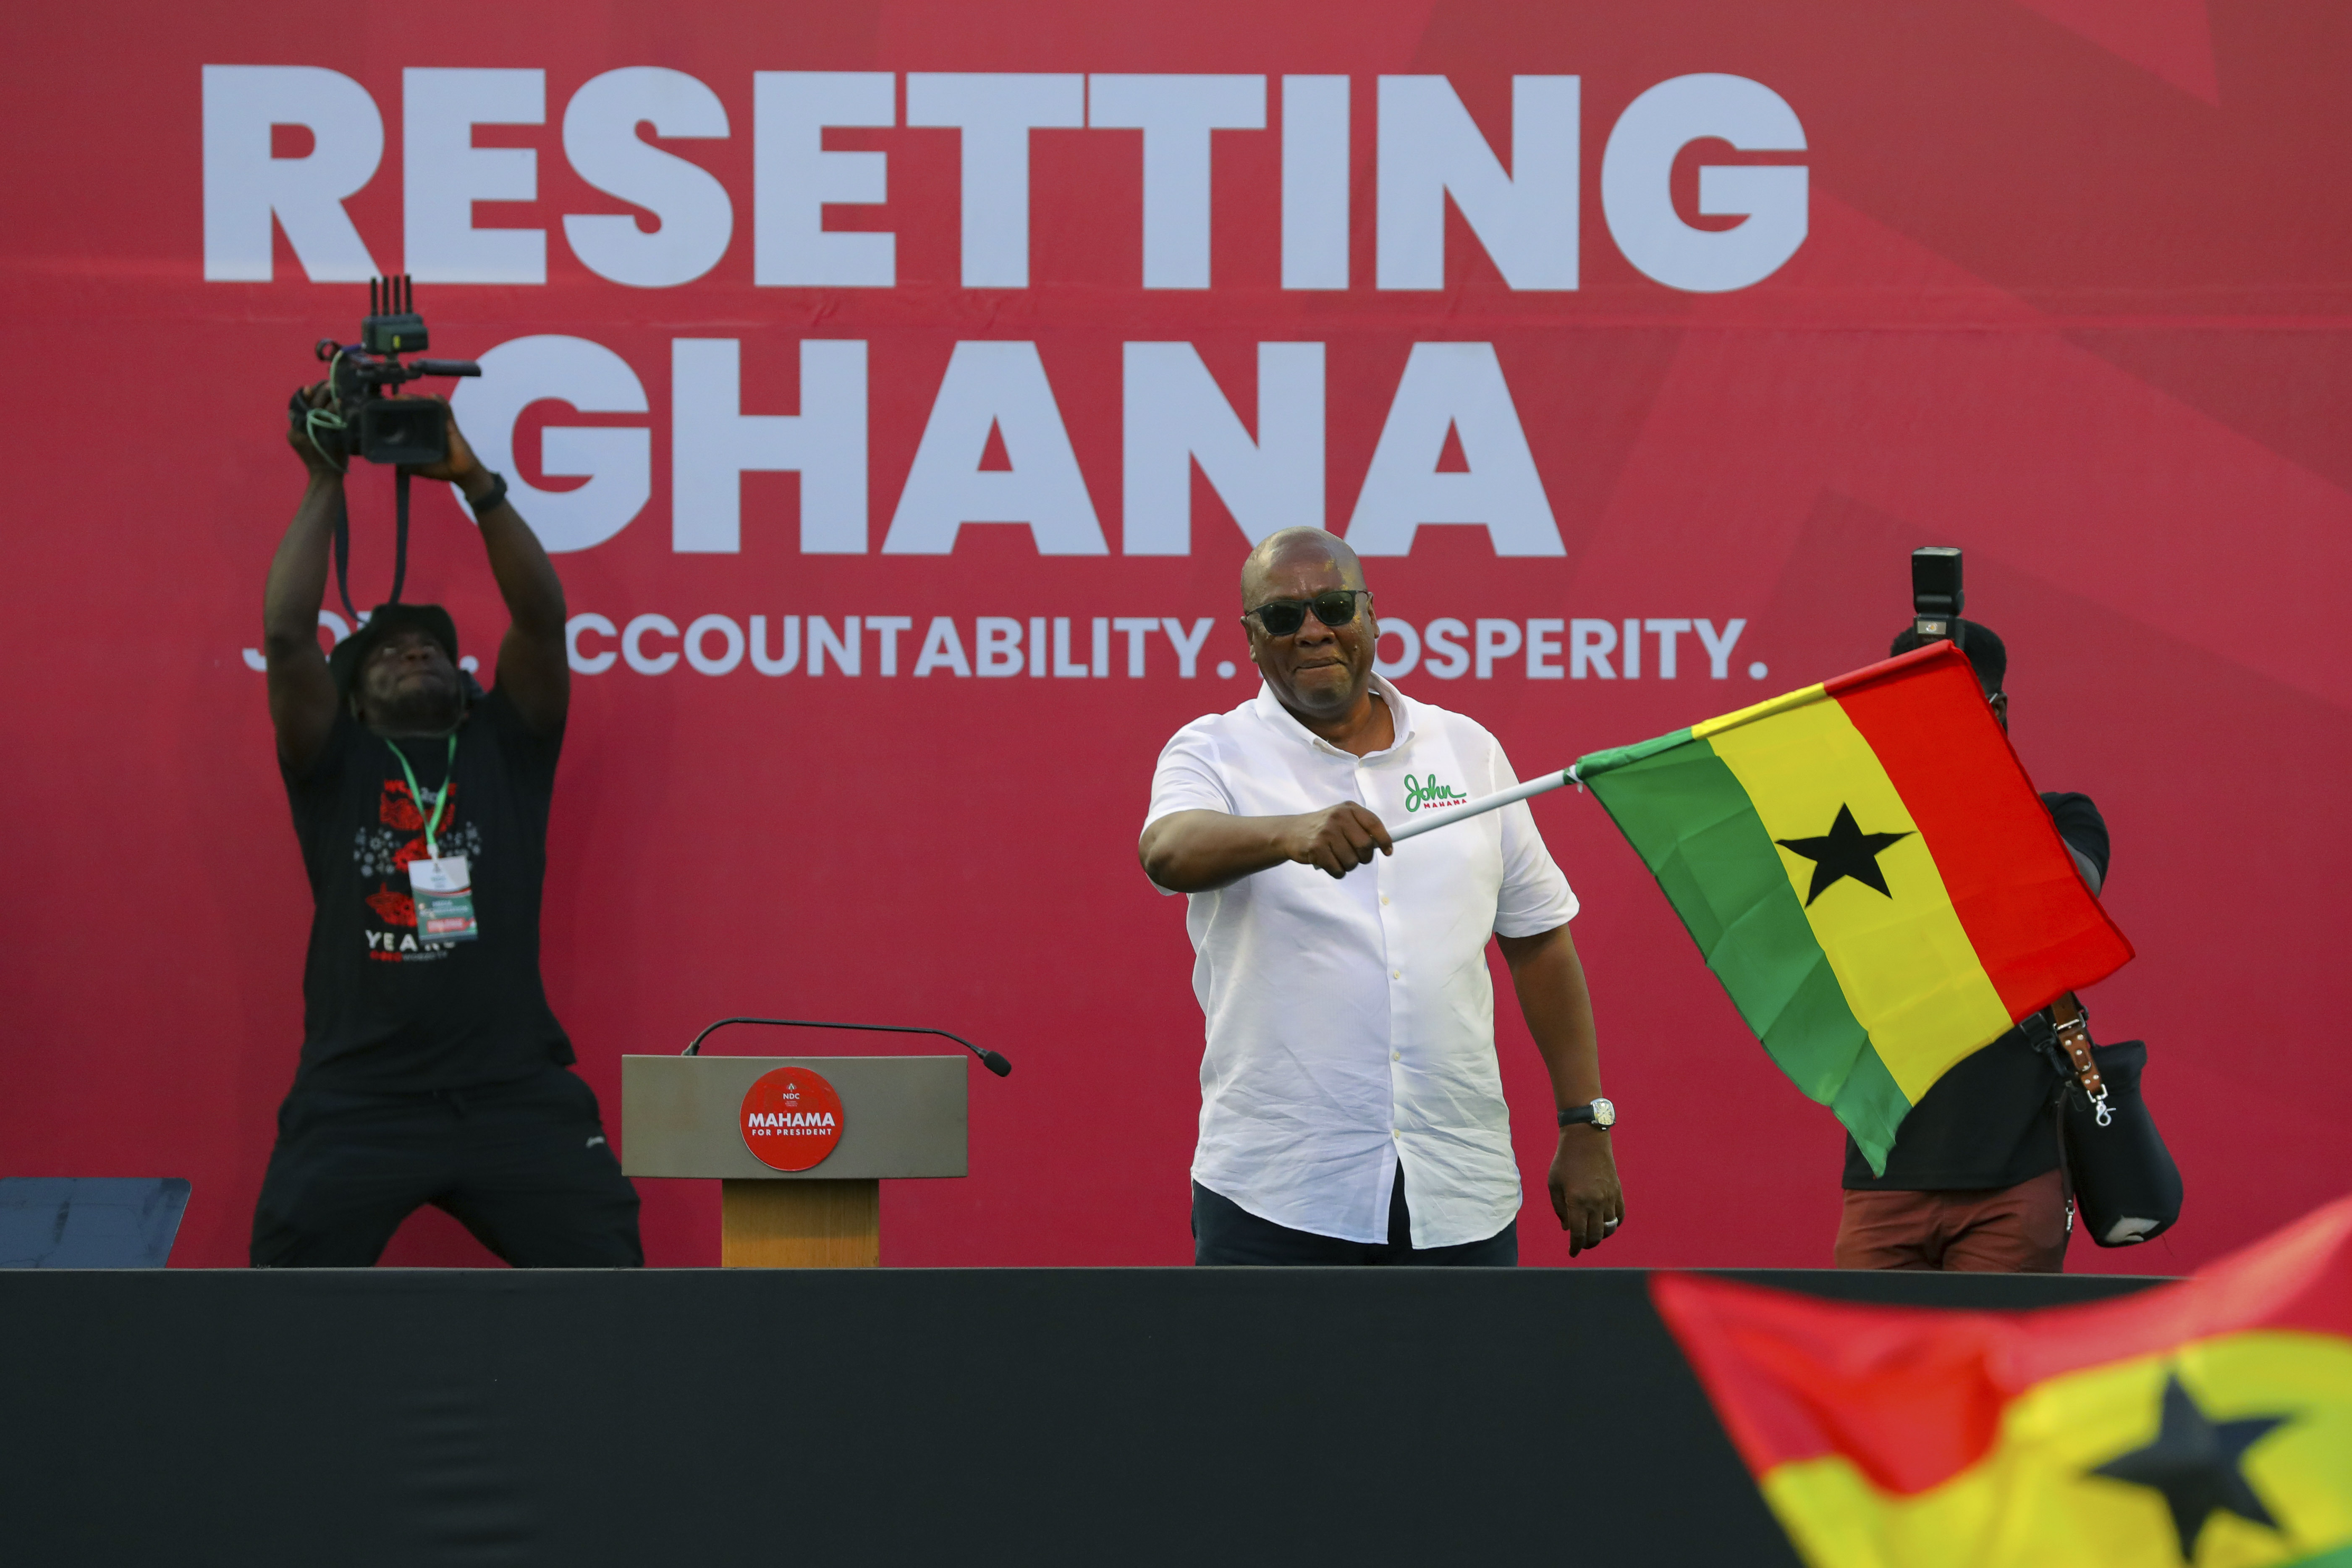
x=1106 y=1416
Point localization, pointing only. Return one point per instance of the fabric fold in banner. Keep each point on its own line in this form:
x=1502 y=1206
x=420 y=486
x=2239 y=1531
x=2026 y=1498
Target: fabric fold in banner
x=2207 y=1422
x=1866 y=868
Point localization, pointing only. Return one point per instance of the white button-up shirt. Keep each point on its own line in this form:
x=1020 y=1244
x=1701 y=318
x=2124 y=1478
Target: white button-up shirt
x=1351 y=1023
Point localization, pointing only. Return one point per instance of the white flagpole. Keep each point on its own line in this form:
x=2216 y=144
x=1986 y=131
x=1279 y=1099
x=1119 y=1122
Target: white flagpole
x=1484 y=803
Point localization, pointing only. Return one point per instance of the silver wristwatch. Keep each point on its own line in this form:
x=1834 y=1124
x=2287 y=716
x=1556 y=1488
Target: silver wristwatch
x=1600 y=1113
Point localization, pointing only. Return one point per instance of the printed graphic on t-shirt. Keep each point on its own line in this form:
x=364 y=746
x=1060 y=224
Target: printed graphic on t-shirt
x=1424 y=794
x=383 y=849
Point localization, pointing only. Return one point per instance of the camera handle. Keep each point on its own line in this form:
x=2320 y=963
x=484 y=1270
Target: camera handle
x=399 y=544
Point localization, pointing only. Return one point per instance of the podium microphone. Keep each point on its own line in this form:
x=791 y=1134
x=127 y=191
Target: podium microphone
x=989 y=1059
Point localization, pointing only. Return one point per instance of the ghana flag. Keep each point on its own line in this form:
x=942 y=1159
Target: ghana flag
x=1868 y=871
x=2207 y=1422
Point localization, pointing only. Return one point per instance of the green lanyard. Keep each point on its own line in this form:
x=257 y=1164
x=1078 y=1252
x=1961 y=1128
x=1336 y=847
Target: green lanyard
x=439 y=800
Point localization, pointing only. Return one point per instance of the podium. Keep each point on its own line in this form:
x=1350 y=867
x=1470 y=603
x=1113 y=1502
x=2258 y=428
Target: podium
x=697 y=1117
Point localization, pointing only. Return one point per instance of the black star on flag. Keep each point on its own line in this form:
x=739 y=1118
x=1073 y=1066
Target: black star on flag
x=1846 y=850
x=2198 y=1463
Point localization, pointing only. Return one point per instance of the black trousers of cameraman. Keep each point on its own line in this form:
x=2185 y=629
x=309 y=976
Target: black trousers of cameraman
x=524 y=1165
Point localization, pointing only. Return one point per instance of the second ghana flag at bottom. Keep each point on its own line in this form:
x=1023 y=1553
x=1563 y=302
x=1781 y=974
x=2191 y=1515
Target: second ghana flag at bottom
x=1867 y=869
x=2207 y=1422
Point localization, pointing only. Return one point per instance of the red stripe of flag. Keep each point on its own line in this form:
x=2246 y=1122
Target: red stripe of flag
x=2036 y=929
x=1913 y=1395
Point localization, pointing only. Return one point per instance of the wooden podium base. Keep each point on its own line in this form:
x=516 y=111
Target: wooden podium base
x=800 y=1225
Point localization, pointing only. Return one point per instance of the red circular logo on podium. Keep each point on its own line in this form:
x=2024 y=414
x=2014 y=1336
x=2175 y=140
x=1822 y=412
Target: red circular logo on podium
x=791 y=1119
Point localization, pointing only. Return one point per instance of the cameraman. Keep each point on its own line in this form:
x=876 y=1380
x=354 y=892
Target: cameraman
x=432 y=1070
x=1972 y=1181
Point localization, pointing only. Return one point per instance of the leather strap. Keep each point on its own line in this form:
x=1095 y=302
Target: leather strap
x=2074 y=1027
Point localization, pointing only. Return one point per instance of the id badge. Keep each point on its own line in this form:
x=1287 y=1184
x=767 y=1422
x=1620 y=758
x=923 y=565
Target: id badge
x=444 y=891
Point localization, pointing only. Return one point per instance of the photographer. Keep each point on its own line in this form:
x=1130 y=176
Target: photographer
x=433 y=1069
x=1973 y=1181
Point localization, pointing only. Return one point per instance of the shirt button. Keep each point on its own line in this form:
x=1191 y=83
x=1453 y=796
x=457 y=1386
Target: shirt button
x=1396 y=1056
x=1384 y=898
x=1396 y=974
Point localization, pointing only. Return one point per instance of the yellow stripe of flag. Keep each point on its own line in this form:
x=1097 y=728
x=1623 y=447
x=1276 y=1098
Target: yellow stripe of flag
x=1909 y=972
x=2034 y=1500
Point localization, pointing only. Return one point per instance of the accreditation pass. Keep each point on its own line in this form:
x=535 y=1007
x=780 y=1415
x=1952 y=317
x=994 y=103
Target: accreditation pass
x=444 y=890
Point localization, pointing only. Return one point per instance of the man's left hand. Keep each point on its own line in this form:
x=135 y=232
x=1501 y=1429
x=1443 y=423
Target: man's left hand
x=460 y=468
x=1584 y=1190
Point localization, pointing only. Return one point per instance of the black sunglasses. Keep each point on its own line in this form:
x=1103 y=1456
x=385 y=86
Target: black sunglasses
x=1282 y=617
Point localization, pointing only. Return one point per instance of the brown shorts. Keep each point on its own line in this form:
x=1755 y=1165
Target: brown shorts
x=2010 y=1230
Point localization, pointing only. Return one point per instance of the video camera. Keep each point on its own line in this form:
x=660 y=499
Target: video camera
x=1935 y=594
x=370 y=419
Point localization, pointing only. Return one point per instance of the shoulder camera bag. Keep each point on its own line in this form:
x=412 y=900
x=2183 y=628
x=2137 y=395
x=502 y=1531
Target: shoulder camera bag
x=2124 y=1182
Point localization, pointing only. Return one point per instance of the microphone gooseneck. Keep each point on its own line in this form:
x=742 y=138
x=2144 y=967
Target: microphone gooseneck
x=991 y=1060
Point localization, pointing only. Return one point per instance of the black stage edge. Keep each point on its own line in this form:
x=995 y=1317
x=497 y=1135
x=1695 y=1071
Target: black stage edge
x=1209 y=1418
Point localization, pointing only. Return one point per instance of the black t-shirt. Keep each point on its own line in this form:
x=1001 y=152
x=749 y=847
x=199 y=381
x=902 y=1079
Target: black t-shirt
x=1986 y=1123
x=382 y=1010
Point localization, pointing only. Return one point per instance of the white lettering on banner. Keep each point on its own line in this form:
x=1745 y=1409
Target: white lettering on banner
x=1430 y=149
x=1172 y=414
x=1003 y=385
x=1718 y=645
x=246 y=185
x=1543 y=649
x=843 y=646
x=1456 y=387
x=587 y=663
x=995 y=110
x=1773 y=200
x=1445 y=659
x=1497 y=640
x=443 y=175
x=1176 y=115
x=885 y=629
x=1186 y=644
x=998 y=642
x=942 y=649
x=1062 y=664
x=1405 y=662
x=788 y=652
x=1590 y=643
x=1006 y=646
x=1135 y=629
x=795 y=179
x=1315 y=179
x=600 y=139
x=713 y=443
x=616 y=463
x=1666 y=631
x=731 y=637
x=633 y=644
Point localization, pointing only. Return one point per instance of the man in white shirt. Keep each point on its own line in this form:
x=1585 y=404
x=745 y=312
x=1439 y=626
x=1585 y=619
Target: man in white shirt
x=1351 y=1105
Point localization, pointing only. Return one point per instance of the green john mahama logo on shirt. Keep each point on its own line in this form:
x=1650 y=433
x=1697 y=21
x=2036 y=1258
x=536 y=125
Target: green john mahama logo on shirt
x=1419 y=793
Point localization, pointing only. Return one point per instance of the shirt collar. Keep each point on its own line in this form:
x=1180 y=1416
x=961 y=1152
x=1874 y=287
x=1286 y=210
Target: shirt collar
x=1401 y=711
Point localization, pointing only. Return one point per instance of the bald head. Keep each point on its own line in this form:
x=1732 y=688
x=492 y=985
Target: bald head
x=1296 y=546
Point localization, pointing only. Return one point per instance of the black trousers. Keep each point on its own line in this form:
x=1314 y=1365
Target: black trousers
x=1226 y=1233
x=524 y=1165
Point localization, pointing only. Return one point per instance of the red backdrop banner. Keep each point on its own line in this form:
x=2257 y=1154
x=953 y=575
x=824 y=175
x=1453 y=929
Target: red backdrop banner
x=900 y=386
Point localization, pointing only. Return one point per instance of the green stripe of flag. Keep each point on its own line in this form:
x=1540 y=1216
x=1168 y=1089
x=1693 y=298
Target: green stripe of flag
x=1697 y=830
